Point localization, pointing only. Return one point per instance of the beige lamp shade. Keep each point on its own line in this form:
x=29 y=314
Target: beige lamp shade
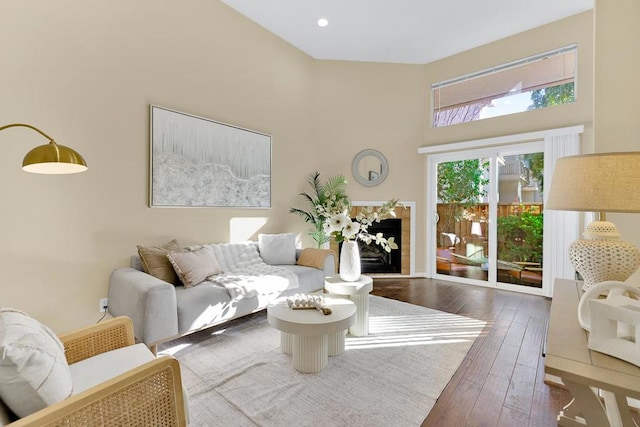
x=476 y=229
x=606 y=182
x=603 y=182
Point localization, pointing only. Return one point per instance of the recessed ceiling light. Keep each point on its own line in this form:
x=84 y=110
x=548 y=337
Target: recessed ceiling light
x=323 y=22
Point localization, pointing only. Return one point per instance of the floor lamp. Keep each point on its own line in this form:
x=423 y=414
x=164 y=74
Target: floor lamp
x=50 y=158
x=603 y=182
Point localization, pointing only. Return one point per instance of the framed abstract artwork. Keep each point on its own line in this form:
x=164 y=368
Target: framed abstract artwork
x=198 y=162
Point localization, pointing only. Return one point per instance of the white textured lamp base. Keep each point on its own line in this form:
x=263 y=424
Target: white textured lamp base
x=615 y=328
x=601 y=260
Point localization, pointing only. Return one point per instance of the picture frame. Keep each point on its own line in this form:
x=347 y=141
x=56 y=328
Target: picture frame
x=200 y=162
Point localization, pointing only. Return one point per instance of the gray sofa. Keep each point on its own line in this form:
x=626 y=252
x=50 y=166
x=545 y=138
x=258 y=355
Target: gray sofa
x=162 y=311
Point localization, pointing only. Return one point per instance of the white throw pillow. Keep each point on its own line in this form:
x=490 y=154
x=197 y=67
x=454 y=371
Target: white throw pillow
x=277 y=248
x=33 y=370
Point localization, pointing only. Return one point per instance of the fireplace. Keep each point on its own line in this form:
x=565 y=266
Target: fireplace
x=374 y=259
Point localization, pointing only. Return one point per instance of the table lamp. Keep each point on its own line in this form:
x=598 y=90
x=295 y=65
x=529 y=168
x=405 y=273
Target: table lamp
x=476 y=229
x=602 y=182
x=50 y=158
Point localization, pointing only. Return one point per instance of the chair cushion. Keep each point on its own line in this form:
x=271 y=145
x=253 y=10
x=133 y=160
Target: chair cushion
x=105 y=366
x=33 y=369
x=277 y=248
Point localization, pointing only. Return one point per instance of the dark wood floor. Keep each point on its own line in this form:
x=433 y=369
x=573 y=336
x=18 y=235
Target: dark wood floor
x=500 y=382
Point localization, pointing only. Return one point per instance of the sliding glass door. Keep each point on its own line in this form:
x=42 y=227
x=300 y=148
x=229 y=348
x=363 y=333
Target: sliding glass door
x=462 y=216
x=488 y=216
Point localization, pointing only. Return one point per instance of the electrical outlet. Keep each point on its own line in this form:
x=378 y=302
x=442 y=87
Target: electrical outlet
x=104 y=303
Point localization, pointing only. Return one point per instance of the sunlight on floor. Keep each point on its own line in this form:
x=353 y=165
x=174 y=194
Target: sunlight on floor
x=399 y=331
x=394 y=331
x=174 y=349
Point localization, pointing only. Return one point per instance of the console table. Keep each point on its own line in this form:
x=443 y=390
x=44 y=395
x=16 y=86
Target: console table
x=587 y=374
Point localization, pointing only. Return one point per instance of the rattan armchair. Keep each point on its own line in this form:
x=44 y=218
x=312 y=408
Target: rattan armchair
x=149 y=395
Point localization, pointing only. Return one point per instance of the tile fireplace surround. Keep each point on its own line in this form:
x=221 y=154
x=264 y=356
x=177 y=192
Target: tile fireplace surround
x=405 y=248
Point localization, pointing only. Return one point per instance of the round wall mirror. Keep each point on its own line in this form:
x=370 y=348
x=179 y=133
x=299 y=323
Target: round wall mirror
x=369 y=167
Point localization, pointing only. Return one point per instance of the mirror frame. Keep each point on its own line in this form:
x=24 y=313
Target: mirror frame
x=384 y=167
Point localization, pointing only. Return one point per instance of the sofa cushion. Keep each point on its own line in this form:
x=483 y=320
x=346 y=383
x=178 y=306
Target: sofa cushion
x=155 y=262
x=194 y=267
x=277 y=248
x=33 y=369
x=309 y=279
x=203 y=305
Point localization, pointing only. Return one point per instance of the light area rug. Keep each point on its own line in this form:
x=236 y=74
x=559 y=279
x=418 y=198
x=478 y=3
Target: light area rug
x=237 y=375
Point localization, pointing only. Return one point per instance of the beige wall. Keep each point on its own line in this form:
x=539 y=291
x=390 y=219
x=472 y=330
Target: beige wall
x=617 y=89
x=379 y=106
x=386 y=107
x=86 y=72
x=576 y=29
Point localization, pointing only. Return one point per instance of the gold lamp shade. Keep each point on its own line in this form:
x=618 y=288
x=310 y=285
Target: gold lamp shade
x=51 y=158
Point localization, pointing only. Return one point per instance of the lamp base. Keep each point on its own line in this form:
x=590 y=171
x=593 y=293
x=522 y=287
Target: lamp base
x=601 y=260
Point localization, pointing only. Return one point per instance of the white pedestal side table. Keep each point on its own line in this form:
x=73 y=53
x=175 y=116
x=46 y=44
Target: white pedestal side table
x=309 y=335
x=358 y=292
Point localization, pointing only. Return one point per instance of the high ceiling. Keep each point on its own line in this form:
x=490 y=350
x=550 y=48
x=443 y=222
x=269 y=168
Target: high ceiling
x=400 y=31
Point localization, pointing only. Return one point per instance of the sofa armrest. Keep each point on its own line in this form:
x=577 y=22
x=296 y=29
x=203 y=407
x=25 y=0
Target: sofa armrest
x=322 y=259
x=150 y=394
x=100 y=338
x=148 y=301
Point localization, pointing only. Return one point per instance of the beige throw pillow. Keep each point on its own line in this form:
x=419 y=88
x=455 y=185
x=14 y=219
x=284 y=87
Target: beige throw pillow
x=196 y=266
x=33 y=370
x=155 y=262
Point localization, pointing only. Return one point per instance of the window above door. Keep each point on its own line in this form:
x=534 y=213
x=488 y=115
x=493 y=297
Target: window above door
x=531 y=83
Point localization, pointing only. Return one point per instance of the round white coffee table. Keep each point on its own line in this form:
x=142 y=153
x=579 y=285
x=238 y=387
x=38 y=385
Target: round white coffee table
x=310 y=336
x=358 y=292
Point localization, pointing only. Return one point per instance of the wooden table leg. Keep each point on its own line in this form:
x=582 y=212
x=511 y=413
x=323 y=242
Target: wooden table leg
x=617 y=410
x=587 y=404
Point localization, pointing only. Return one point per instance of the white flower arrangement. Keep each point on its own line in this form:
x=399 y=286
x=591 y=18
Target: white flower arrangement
x=330 y=209
x=343 y=228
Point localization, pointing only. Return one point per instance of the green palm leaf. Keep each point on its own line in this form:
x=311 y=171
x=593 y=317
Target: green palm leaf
x=335 y=185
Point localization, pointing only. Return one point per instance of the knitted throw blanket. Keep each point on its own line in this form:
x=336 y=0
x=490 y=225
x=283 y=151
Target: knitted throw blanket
x=245 y=274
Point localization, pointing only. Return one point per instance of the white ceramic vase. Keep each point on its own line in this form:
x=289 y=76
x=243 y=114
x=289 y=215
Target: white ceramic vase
x=350 y=261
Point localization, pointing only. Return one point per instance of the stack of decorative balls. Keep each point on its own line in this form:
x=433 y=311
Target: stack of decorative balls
x=302 y=301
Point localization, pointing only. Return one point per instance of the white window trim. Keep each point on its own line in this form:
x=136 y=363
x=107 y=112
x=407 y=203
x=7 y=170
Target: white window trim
x=507 y=66
x=501 y=140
